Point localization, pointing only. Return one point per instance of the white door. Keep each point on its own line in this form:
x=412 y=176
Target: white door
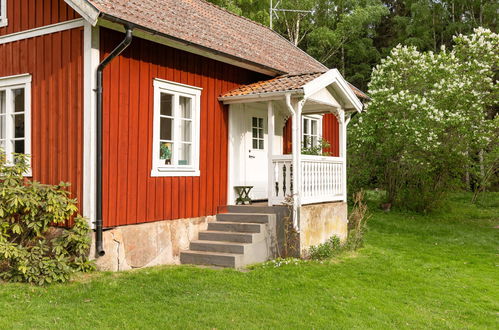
x=256 y=153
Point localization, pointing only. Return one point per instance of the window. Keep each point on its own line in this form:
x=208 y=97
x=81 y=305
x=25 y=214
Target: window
x=15 y=115
x=176 y=129
x=3 y=13
x=257 y=133
x=312 y=129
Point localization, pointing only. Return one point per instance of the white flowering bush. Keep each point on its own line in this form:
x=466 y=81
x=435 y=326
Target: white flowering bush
x=431 y=114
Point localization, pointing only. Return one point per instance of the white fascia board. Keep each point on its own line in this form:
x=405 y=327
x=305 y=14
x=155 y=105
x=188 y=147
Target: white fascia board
x=85 y=9
x=333 y=76
x=260 y=97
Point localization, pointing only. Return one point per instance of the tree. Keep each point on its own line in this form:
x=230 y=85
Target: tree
x=429 y=112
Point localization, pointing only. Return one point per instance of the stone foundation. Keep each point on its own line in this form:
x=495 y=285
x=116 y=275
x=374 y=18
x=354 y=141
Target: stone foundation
x=318 y=222
x=148 y=244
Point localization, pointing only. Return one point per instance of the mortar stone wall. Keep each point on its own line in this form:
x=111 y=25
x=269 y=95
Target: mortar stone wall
x=148 y=244
x=318 y=222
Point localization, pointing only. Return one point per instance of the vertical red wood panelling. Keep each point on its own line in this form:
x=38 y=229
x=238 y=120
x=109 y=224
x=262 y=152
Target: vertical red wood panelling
x=131 y=195
x=29 y=14
x=55 y=63
x=330 y=133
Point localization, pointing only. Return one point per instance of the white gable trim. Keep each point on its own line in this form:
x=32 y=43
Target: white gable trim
x=43 y=30
x=333 y=77
x=85 y=9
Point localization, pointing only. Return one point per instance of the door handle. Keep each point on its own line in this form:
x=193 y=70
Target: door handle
x=250 y=156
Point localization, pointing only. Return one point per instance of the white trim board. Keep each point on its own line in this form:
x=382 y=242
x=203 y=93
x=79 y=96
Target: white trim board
x=43 y=30
x=91 y=55
x=4 y=21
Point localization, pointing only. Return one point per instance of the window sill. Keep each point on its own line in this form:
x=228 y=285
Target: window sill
x=169 y=172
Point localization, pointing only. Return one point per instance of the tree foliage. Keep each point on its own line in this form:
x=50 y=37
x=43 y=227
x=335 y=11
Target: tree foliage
x=353 y=35
x=429 y=114
x=30 y=249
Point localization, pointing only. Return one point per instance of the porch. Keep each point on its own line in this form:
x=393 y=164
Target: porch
x=257 y=115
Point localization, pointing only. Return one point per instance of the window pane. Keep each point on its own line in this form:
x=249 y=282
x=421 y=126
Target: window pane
x=255 y=133
x=260 y=122
x=186 y=131
x=185 y=154
x=166 y=129
x=19 y=146
x=261 y=145
x=2 y=102
x=254 y=122
x=260 y=133
x=18 y=95
x=166 y=152
x=185 y=107
x=166 y=104
x=305 y=126
x=19 y=126
x=314 y=127
x=255 y=144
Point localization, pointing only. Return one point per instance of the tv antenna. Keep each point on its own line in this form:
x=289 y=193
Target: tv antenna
x=274 y=10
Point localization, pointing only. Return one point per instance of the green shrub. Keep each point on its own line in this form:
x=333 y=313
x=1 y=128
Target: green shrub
x=325 y=250
x=31 y=249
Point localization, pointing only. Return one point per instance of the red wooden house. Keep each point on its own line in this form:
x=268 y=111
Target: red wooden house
x=155 y=110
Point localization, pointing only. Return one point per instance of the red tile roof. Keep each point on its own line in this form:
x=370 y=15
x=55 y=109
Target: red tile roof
x=202 y=23
x=282 y=84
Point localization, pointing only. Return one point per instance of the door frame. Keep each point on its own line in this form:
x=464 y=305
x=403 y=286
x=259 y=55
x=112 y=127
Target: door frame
x=236 y=143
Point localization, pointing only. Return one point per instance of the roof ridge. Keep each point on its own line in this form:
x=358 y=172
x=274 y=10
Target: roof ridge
x=264 y=26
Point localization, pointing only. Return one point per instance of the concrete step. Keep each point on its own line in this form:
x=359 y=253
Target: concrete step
x=225 y=236
x=261 y=209
x=235 y=227
x=244 y=217
x=218 y=259
x=214 y=246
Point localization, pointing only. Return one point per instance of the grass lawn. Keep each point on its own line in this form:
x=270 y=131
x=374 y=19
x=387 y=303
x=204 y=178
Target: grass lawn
x=435 y=271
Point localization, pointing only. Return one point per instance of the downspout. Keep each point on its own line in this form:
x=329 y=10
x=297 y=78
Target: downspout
x=99 y=248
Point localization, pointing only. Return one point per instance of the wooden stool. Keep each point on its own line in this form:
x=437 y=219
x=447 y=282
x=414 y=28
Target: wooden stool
x=243 y=194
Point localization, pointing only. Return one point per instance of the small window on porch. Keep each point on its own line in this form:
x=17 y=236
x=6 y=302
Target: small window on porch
x=176 y=129
x=257 y=133
x=3 y=13
x=312 y=129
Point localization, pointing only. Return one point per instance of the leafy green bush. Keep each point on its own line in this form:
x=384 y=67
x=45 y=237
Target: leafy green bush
x=432 y=121
x=325 y=250
x=31 y=249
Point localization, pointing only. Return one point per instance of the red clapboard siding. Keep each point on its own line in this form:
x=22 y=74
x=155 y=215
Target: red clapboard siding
x=131 y=195
x=55 y=63
x=29 y=14
x=330 y=133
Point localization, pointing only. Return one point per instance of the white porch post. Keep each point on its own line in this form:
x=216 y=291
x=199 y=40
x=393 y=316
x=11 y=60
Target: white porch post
x=297 y=163
x=270 y=150
x=343 y=151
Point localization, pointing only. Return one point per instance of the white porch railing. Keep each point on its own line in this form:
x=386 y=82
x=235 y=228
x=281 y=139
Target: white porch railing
x=321 y=179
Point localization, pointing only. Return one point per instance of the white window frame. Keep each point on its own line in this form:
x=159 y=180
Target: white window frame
x=177 y=90
x=318 y=119
x=7 y=84
x=3 y=13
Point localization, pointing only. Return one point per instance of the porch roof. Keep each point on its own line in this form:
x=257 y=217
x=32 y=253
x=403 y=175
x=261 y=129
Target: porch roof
x=284 y=83
x=319 y=89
